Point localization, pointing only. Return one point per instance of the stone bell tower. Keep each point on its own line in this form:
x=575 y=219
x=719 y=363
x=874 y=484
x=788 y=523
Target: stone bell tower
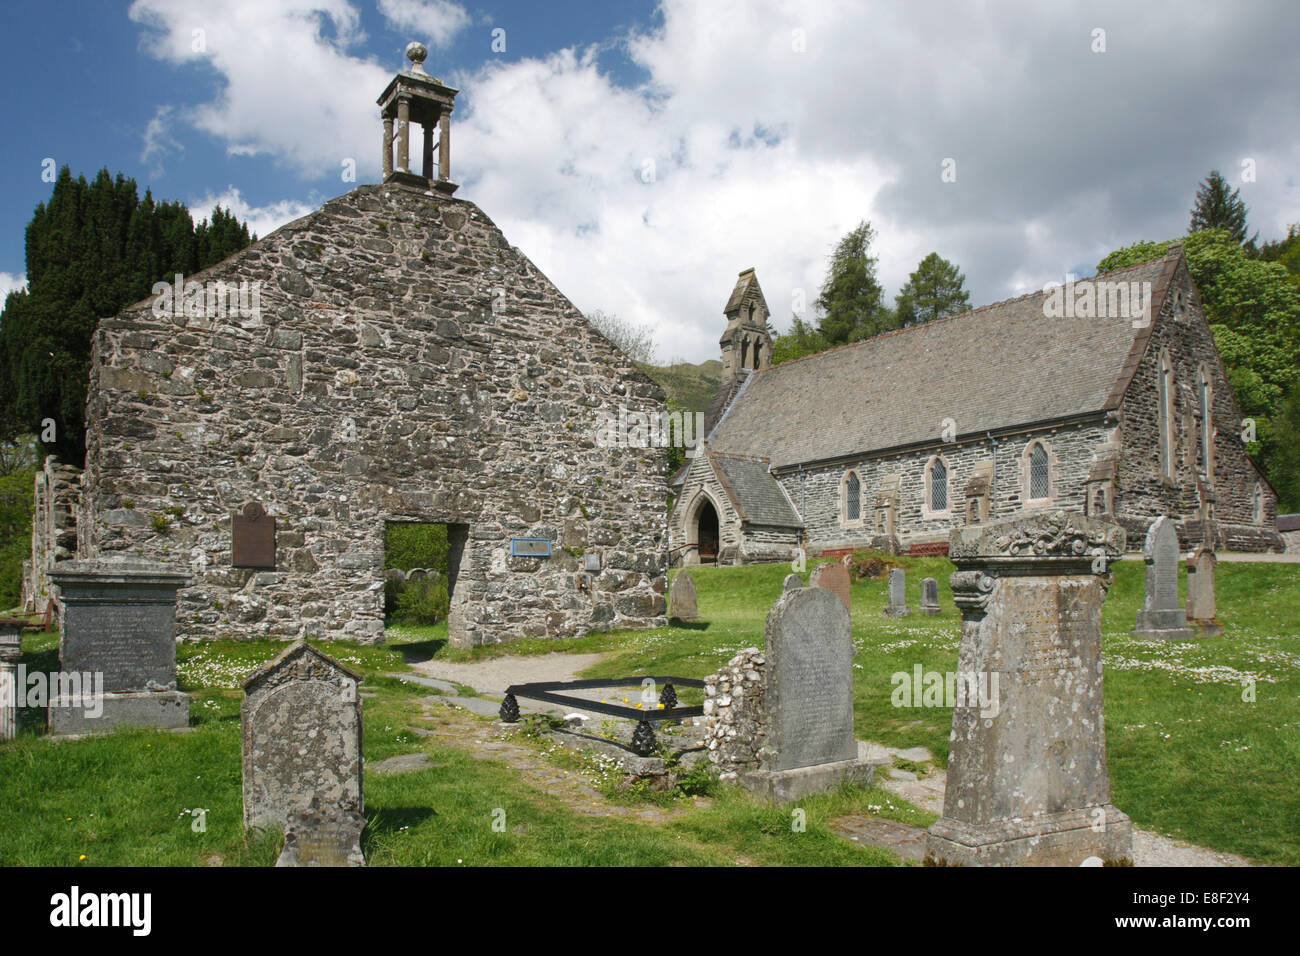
x=747 y=343
x=414 y=96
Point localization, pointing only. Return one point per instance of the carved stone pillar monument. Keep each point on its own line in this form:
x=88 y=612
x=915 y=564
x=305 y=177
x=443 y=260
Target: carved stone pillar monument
x=1027 y=778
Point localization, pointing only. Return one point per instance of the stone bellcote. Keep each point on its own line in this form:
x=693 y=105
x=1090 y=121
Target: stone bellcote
x=747 y=343
x=414 y=96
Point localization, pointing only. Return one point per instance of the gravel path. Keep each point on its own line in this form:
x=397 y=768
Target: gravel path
x=493 y=675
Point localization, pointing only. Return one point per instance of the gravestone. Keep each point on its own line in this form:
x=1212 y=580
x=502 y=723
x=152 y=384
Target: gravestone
x=791 y=582
x=117 y=647
x=1160 y=615
x=10 y=653
x=301 y=727
x=8 y=700
x=834 y=577
x=1027 y=778
x=681 y=598
x=897 y=606
x=1200 y=593
x=929 y=596
x=782 y=721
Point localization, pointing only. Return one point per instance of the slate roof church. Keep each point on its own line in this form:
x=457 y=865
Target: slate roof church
x=1010 y=408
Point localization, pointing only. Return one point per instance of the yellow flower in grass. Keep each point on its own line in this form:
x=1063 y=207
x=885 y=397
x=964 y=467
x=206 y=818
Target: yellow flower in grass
x=80 y=858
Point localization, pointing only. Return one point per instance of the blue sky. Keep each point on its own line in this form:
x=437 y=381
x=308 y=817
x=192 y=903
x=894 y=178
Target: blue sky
x=769 y=128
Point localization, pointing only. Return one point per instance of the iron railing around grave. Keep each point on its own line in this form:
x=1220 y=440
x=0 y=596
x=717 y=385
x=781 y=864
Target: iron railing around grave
x=643 y=738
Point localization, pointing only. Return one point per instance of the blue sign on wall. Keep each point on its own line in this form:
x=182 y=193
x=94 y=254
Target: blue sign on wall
x=530 y=547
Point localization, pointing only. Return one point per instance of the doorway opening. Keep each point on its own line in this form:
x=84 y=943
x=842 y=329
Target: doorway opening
x=706 y=533
x=421 y=564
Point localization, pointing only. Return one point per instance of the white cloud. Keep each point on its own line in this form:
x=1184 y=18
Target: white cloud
x=11 y=283
x=261 y=220
x=764 y=155
x=158 y=140
x=437 y=20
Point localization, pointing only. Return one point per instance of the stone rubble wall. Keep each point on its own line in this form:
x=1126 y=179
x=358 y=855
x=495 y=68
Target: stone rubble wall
x=408 y=364
x=818 y=489
x=735 y=718
x=56 y=501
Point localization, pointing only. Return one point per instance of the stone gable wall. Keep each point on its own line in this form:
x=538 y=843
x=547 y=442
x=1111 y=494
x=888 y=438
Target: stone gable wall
x=408 y=364
x=1141 y=493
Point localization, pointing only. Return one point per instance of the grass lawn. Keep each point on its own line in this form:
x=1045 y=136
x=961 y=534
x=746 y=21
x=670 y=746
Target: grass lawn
x=1188 y=756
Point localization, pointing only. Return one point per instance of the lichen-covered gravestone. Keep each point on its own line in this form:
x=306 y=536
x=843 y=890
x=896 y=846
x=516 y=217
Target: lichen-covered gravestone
x=897 y=606
x=301 y=722
x=681 y=598
x=1027 y=778
x=10 y=653
x=781 y=721
x=834 y=577
x=117 y=646
x=1200 y=593
x=929 y=596
x=1160 y=615
x=791 y=582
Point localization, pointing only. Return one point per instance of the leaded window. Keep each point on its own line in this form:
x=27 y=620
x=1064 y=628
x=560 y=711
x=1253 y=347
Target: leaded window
x=1040 y=479
x=852 y=498
x=938 y=486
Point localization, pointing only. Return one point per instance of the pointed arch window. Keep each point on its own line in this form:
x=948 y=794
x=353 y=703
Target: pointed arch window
x=852 y=498
x=1165 y=415
x=1040 y=475
x=1205 y=398
x=936 y=485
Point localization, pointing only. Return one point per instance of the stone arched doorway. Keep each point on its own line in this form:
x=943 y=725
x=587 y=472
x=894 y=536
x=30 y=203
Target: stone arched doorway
x=706 y=532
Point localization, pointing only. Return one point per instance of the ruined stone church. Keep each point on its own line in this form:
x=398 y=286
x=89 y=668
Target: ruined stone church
x=404 y=363
x=1003 y=410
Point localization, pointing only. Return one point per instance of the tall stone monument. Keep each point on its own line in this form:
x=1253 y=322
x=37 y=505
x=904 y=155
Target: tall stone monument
x=897 y=606
x=301 y=726
x=1200 y=593
x=929 y=597
x=682 y=604
x=1027 y=779
x=781 y=721
x=10 y=653
x=834 y=577
x=117 y=646
x=1160 y=615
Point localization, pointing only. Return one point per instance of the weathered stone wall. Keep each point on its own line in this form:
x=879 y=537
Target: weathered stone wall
x=1142 y=494
x=817 y=491
x=735 y=719
x=408 y=364
x=55 y=504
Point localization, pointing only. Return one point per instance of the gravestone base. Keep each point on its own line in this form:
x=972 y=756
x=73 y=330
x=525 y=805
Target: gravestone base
x=1206 y=628
x=1053 y=839
x=929 y=611
x=1163 y=626
x=322 y=837
x=901 y=610
x=782 y=786
x=164 y=710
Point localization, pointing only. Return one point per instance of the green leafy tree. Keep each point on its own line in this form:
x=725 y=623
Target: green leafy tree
x=1219 y=207
x=852 y=299
x=937 y=288
x=1254 y=314
x=804 y=338
x=92 y=249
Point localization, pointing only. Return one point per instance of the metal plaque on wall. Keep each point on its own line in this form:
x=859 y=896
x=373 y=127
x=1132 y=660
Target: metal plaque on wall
x=252 y=538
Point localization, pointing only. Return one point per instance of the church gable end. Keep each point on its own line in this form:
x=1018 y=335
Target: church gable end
x=1181 y=451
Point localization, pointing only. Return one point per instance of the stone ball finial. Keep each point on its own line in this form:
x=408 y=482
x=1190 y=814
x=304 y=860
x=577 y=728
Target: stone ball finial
x=416 y=52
